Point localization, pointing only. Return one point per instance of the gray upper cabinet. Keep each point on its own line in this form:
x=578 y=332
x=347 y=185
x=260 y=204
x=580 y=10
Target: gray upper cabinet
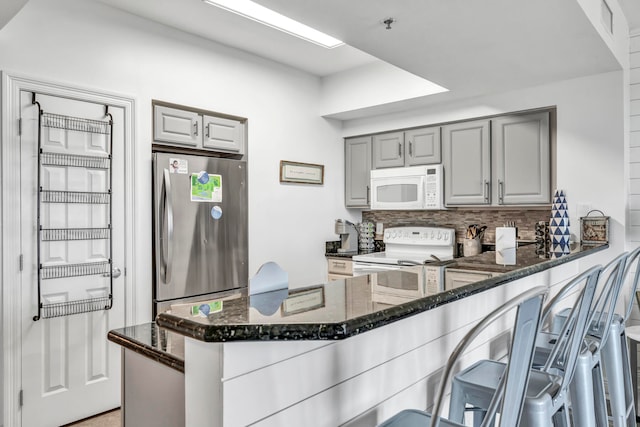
x=193 y=128
x=467 y=163
x=223 y=134
x=422 y=146
x=388 y=150
x=176 y=126
x=357 y=171
x=410 y=148
x=522 y=159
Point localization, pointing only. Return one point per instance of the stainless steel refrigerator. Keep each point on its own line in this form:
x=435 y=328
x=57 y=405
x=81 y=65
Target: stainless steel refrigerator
x=199 y=226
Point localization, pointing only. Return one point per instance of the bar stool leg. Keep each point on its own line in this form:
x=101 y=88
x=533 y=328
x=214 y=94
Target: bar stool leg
x=614 y=361
x=633 y=362
x=581 y=389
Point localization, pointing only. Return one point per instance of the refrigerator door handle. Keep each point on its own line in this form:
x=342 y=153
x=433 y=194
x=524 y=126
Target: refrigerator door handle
x=167 y=212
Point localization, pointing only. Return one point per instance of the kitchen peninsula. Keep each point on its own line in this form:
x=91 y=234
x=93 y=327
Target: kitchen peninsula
x=306 y=360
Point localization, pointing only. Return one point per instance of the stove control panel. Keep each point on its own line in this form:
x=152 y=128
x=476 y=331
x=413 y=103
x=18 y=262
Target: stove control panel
x=422 y=236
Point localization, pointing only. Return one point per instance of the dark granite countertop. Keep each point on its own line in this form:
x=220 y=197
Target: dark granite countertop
x=149 y=340
x=348 y=307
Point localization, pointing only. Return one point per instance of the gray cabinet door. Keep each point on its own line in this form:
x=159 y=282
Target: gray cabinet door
x=223 y=134
x=422 y=146
x=522 y=159
x=357 y=171
x=466 y=162
x=388 y=150
x=177 y=127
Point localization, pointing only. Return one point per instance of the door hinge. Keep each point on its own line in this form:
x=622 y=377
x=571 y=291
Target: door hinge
x=21 y=262
x=20 y=126
x=20 y=399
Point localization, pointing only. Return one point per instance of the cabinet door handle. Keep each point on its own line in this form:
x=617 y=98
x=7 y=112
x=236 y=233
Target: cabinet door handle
x=500 y=192
x=485 y=193
x=368 y=191
x=410 y=149
x=339 y=264
x=195 y=129
x=206 y=131
x=399 y=150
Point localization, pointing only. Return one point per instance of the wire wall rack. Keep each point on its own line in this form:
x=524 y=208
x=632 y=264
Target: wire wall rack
x=75 y=270
x=84 y=197
x=74 y=160
x=67 y=308
x=103 y=269
x=59 y=121
x=61 y=234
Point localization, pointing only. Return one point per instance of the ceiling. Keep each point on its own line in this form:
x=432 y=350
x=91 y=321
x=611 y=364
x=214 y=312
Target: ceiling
x=469 y=47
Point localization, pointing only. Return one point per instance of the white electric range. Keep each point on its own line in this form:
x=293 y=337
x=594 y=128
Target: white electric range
x=415 y=250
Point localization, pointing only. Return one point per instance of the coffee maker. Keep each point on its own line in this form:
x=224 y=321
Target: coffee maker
x=348 y=236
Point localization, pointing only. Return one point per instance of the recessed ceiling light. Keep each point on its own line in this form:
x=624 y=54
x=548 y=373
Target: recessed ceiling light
x=268 y=17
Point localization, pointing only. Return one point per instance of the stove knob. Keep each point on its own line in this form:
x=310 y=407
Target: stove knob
x=386 y=235
x=432 y=235
x=393 y=234
x=446 y=236
x=439 y=235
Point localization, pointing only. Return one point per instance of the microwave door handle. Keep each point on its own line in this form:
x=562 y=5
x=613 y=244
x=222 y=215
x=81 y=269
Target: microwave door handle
x=167 y=212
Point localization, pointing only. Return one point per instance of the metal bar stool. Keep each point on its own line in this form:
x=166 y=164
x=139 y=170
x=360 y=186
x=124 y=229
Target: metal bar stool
x=546 y=402
x=633 y=335
x=603 y=349
x=616 y=353
x=508 y=400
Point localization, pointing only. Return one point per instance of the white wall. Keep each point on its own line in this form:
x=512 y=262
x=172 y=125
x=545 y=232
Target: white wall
x=590 y=137
x=633 y=231
x=88 y=44
x=377 y=83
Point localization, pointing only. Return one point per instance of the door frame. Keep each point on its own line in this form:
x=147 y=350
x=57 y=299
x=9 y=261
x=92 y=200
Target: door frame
x=10 y=268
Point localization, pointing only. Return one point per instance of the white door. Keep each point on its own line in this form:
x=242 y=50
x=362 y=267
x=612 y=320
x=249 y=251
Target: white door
x=69 y=369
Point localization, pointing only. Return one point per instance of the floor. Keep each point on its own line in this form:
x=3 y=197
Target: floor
x=106 y=419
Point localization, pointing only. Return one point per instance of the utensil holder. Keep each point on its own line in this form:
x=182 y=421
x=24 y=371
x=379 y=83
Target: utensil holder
x=471 y=247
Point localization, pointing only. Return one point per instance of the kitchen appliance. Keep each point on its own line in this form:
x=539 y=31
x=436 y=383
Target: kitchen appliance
x=410 y=188
x=348 y=236
x=199 y=228
x=421 y=250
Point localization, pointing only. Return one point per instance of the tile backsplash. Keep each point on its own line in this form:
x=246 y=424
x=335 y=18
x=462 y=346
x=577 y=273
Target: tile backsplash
x=525 y=219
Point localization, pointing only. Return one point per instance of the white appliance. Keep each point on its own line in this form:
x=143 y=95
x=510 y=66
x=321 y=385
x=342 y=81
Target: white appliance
x=417 y=250
x=415 y=187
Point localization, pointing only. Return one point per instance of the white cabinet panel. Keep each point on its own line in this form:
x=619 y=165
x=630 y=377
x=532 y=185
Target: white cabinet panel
x=177 y=126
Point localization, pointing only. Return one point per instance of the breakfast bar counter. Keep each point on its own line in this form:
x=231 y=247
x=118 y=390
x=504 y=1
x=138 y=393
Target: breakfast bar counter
x=337 y=353
x=345 y=308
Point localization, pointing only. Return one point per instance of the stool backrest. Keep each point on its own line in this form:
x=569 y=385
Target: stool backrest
x=566 y=349
x=610 y=285
x=632 y=261
x=510 y=396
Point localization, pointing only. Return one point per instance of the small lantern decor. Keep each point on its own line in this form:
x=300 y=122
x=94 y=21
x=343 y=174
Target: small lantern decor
x=594 y=229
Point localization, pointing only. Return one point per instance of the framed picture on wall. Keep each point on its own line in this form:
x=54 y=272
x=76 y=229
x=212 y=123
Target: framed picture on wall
x=301 y=173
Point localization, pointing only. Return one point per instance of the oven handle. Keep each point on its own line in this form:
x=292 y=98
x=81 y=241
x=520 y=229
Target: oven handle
x=407 y=262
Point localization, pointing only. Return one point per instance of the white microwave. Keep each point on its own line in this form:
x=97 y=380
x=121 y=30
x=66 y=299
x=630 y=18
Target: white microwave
x=411 y=188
